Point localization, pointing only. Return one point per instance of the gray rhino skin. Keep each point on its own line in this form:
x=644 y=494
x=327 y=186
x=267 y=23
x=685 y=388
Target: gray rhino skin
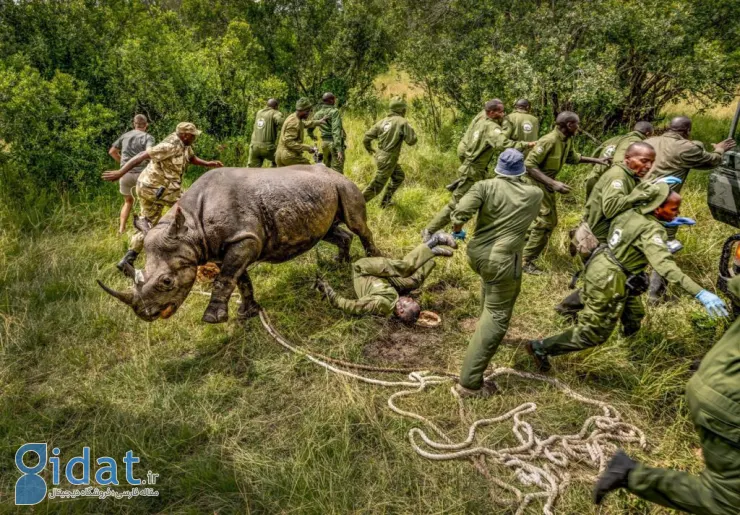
x=239 y=216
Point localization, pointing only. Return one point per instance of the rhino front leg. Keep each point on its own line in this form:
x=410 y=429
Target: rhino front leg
x=249 y=307
x=236 y=260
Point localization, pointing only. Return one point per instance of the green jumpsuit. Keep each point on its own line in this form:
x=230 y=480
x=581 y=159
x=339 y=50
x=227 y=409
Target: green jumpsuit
x=332 y=136
x=524 y=126
x=290 y=149
x=614 y=148
x=265 y=133
x=487 y=140
x=635 y=241
x=391 y=132
x=552 y=151
x=713 y=395
x=505 y=206
x=463 y=145
x=377 y=281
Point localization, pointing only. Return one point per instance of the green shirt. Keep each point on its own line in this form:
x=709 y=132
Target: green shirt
x=637 y=240
x=611 y=196
x=332 y=130
x=524 y=126
x=391 y=132
x=505 y=206
x=675 y=155
x=267 y=126
x=291 y=136
x=614 y=148
x=551 y=152
x=487 y=139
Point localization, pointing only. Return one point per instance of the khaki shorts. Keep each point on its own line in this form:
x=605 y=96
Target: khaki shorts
x=127 y=183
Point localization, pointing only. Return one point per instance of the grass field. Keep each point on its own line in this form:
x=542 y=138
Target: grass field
x=234 y=424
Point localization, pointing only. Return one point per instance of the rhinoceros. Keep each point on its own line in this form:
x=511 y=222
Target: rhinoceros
x=235 y=217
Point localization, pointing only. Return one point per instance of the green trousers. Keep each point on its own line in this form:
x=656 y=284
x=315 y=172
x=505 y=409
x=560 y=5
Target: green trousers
x=469 y=176
x=500 y=284
x=259 y=153
x=715 y=491
x=542 y=227
x=388 y=168
x=606 y=302
x=331 y=156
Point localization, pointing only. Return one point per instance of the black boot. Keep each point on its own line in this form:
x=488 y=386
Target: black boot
x=539 y=357
x=615 y=476
x=570 y=306
x=656 y=292
x=128 y=259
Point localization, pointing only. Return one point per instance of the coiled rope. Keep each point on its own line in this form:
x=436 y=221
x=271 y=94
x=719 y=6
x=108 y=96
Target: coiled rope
x=535 y=462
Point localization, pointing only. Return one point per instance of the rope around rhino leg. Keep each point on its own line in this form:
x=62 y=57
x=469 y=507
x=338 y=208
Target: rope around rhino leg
x=557 y=453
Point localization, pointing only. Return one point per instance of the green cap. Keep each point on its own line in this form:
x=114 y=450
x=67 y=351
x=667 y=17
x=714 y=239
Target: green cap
x=187 y=128
x=655 y=201
x=303 y=104
x=397 y=104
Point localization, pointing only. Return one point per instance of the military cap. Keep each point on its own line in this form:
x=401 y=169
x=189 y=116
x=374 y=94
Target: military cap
x=187 y=128
x=398 y=104
x=656 y=201
x=303 y=104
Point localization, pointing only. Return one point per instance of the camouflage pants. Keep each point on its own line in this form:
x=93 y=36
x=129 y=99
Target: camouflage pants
x=149 y=208
x=331 y=156
x=259 y=153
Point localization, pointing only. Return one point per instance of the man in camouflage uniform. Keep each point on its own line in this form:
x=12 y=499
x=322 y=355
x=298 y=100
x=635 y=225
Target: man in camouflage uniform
x=713 y=400
x=160 y=184
x=617 y=271
x=543 y=164
x=504 y=207
x=290 y=147
x=378 y=281
x=487 y=140
x=524 y=126
x=676 y=155
x=267 y=125
x=391 y=132
x=614 y=149
x=124 y=148
x=333 y=138
x=615 y=192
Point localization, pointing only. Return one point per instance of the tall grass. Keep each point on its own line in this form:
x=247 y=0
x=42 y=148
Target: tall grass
x=233 y=424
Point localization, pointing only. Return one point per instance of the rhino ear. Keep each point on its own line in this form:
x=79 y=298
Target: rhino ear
x=178 y=224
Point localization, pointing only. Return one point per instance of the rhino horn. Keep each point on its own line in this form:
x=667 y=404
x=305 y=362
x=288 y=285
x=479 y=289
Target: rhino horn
x=125 y=297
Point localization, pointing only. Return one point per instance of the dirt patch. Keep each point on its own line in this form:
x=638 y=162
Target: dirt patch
x=467 y=325
x=404 y=347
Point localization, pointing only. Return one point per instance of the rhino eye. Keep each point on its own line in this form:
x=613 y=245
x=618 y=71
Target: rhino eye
x=167 y=282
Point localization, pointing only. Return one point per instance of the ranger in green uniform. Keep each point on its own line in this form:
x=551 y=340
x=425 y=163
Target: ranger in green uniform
x=487 y=140
x=543 y=164
x=267 y=125
x=616 y=271
x=524 y=126
x=291 y=148
x=505 y=206
x=614 y=149
x=713 y=399
x=332 y=133
x=391 y=132
x=676 y=155
x=378 y=281
x=463 y=145
x=160 y=184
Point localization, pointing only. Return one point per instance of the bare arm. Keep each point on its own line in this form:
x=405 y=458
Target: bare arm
x=115 y=154
x=114 y=175
x=195 y=160
x=595 y=160
x=537 y=174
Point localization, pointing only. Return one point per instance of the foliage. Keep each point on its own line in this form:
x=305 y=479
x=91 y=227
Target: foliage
x=613 y=61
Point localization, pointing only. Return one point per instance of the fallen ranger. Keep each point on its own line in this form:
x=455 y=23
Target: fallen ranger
x=235 y=217
x=713 y=400
x=617 y=272
x=504 y=206
x=379 y=281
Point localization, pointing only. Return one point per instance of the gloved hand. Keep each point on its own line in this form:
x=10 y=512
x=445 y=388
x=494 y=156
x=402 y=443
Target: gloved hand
x=670 y=180
x=323 y=287
x=715 y=306
x=679 y=221
x=460 y=235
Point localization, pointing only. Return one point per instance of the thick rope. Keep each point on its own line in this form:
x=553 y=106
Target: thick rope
x=535 y=462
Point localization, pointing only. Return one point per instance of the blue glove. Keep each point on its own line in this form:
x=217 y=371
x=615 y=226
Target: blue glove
x=459 y=235
x=679 y=221
x=714 y=305
x=670 y=180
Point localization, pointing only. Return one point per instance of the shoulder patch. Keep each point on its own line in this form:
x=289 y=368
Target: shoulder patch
x=658 y=240
x=497 y=131
x=615 y=238
x=609 y=151
x=527 y=127
x=261 y=123
x=617 y=184
x=539 y=149
x=387 y=126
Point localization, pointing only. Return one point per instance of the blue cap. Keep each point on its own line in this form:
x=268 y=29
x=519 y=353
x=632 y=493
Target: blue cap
x=511 y=163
